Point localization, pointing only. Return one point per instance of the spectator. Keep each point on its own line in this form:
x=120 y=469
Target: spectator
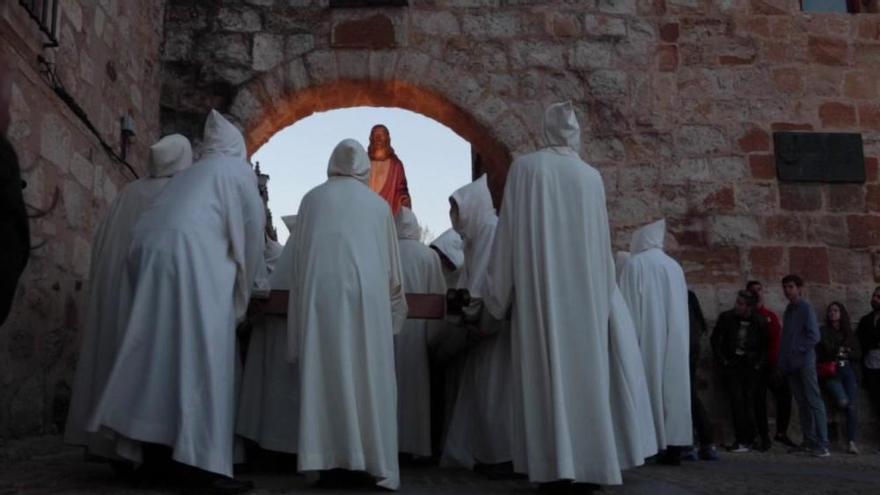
x=739 y=343
x=797 y=362
x=698 y=327
x=837 y=354
x=869 y=338
x=771 y=379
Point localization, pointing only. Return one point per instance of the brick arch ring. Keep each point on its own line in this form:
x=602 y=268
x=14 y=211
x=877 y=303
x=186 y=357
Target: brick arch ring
x=261 y=111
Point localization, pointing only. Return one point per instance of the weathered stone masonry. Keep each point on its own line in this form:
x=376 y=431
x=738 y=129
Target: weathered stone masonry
x=678 y=100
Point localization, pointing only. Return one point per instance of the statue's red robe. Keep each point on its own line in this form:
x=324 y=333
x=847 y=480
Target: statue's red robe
x=394 y=189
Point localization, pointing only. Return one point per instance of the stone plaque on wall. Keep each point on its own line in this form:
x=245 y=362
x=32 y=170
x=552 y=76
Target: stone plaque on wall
x=819 y=157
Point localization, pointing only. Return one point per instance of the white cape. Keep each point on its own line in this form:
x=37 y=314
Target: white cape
x=450 y=244
x=346 y=304
x=654 y=287
x=421 y=275
x=480 y=425
x=268 y=409
x=553 y=268
x=191 y=265
x=108 y=307
x=106 y=313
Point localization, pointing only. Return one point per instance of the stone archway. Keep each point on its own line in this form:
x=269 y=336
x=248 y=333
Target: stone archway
x=296 y=89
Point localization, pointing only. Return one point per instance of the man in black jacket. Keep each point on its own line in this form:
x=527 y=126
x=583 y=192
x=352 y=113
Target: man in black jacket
x=14 y=231
x=739 y=343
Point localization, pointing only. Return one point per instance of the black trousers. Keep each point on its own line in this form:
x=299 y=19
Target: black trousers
x=871 y=381
x=739 y=382
x=699 y=417
x=770 y=381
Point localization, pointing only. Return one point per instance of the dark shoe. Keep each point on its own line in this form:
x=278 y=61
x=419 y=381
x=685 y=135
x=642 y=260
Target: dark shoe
x=669 y=457
x=708 y=453
x=820 y=452
x=784 y=440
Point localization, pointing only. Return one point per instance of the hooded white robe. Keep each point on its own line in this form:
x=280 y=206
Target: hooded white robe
x=552 y=245
x=191 y=265
x=450 y=244
x=346 y=303
x=108 y=309
x=422 y=274
x=268 y=408
x=480 y=427
x=654 y=288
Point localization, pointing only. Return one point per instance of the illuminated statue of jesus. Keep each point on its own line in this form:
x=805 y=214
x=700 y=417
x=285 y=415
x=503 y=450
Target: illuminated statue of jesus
x=387 y=177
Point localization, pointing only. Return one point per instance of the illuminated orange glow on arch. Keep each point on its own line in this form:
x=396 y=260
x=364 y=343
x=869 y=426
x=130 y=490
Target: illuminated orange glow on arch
x=397 y=94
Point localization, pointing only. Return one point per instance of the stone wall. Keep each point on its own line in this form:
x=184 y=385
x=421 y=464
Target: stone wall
x=108 y=61
x=678 y=100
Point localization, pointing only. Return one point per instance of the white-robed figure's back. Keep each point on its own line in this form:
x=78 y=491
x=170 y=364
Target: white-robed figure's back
x=449 y=245
x=553 y=269
x=479 y=426
x=346 y=303
x=268 y=407
x=191 y=265
x=421 y=275
x=108 y=308
x=654 y=288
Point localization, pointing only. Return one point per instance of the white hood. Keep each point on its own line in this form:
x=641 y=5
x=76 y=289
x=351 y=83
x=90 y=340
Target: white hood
x=407 y=225
x=648 y=237
x=170 y=155
x=349 y=159
x=289 y=222
x=221 y=137
x=561 y=129
x=474 y=206
x=450 y=244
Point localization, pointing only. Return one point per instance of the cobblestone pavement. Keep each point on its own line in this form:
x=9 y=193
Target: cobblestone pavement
x=44 y=466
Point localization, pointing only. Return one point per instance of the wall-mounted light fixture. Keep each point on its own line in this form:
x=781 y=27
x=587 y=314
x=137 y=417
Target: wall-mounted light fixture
x=127 y=133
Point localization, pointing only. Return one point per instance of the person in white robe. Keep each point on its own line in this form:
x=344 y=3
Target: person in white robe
x=268 y=406
x=191 y=265
x=480 y=426
x=346 y=304
x=654 y=288
x=553 y=244
x=422 y=274
x=106 y=313
x=450 y=248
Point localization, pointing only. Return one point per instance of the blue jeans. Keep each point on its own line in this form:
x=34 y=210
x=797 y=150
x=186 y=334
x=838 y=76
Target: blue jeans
x=811 y=408
x=844 y=391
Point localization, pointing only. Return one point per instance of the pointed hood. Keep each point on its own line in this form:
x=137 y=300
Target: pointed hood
x=170 y=155
x=407 y=225
x=648 y=237
x=223 y=138
x=561 y=129
x=450 y=244
x=349 y=159
x=474 y=206
x=289 y=222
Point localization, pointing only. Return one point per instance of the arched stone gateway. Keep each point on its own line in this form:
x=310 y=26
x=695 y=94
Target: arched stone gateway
x=261 y=113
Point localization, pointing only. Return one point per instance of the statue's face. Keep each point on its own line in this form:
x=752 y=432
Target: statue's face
x=380 y=138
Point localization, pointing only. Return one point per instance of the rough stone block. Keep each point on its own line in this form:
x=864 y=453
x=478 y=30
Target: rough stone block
x=829 y=51
x=754 y=139
x=760 y=199
x=767 y=262
x=716 y=266
x=268 y=51
x=763 y=167
x=869 y=116
x=864 y=230
x=443 y=24
x=232 y=48
x=830 y=230
x=605 y=26
x=667 y=58
x=496 y=25
x=322 y=66
x=590 y=55
x=733 y=230
x=800 y=197
x=695 y=140
x=238 y=20
x=55 y=140
x=770 y=7
x=847 y=266
x=848 y=198
x=811 y=263
x=835 y=114
x=608 y=82
x=669 y=32
x=860 y=85
x=788 y=80
x=783 y=228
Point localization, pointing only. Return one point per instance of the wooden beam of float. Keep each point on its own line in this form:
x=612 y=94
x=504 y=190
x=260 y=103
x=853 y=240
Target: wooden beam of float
x=421 y=306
